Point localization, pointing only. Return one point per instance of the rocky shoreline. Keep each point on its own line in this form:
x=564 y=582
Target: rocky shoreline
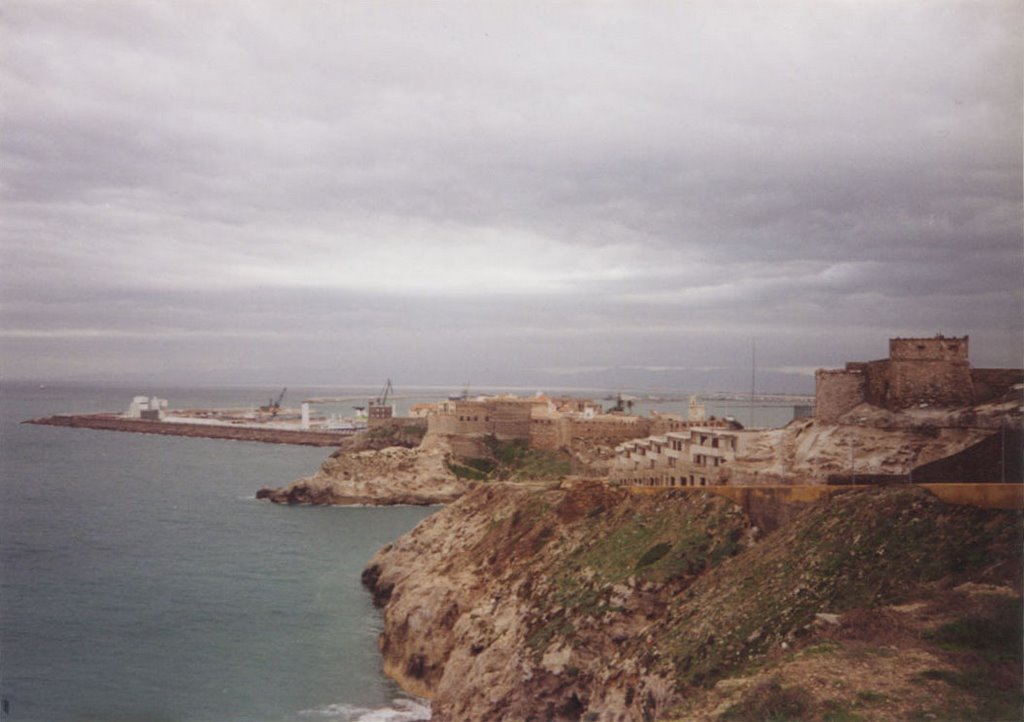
x=584 y=602
x=570 y=600
x=376 y=477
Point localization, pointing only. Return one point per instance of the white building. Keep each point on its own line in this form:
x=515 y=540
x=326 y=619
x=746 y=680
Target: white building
x=146 y=407
x=691 y=457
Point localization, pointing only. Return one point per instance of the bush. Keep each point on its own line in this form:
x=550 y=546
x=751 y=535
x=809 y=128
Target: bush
x=997 y=636
x=653 y=554
x=771 y=702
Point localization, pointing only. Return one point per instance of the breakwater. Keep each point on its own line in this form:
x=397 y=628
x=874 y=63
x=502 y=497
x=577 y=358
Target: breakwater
x=267 y=435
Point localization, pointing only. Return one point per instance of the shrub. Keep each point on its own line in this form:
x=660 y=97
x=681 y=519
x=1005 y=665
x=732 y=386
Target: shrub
x=771 y=702
x=653 y=554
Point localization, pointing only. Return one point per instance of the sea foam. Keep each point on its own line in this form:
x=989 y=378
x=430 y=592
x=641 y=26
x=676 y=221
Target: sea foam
x=401 y=710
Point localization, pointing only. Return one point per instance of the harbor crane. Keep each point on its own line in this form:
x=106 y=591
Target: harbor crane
x=385 y=392
x=274 y=405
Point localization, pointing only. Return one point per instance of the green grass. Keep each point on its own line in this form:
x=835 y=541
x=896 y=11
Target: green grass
x=467 y=470
x=835 y=711
x=869 y=696
x=995 y=637
x=771 y=702
x=860 y=550
x=657 y=542
x=993 y=701
x=513 y=460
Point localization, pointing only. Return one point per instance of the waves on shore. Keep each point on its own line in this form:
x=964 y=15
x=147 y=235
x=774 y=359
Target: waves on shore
x=400 y=710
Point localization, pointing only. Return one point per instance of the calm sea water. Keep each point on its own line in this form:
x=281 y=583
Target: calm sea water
x=141 y=580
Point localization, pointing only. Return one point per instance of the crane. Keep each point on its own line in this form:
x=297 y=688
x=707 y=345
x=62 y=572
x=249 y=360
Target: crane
x=274 y=405
x=385 y=392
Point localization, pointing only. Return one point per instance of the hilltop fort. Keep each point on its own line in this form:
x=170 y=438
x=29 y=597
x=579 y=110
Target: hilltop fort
x=918 y=372
x=923 y=413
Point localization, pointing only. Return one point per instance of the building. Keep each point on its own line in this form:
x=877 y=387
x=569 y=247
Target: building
x=694 y=457
x=378 y=412
x=552 y=423
x=918 y=372
x=146 y=407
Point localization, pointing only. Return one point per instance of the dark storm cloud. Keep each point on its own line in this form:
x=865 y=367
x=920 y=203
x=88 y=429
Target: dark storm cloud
x=505 y=187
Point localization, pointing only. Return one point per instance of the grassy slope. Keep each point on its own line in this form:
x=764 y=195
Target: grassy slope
x=513 y=460
x=862 y=551
x=667 y=587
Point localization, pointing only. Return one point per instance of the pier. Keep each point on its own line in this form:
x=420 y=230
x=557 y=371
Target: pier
x=207 y=429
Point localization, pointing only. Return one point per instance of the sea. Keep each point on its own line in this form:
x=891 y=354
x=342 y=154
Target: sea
x=141 y=580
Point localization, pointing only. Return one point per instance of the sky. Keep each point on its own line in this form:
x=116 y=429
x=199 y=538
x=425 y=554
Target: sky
x=549 y=194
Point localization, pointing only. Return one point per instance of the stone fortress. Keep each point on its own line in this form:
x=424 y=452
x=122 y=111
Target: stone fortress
x=919 y=372
x=546 y=423
x=920 y=376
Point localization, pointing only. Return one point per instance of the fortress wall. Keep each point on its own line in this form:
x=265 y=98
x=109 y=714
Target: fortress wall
x=990 y=384
x=933 y=382
x=877 y=381
x=546 y=434
x=836 y=392
x=940 y=348
x=610 y=430
x=506 y=420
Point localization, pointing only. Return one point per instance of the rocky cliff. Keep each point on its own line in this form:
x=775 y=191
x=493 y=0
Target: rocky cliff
x=392 y=475
x=869 y=442
x=582 y=602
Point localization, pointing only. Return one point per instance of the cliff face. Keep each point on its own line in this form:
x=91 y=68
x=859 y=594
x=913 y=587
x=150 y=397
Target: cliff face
x=591 y=603
x=868 y=442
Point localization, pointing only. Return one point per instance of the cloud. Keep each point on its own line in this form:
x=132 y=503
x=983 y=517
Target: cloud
x=506 y=187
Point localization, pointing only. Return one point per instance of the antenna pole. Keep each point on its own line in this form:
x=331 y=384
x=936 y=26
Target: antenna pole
x=753 y=379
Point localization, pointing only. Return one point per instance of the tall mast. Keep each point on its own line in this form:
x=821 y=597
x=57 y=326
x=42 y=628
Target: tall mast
x=753 y=378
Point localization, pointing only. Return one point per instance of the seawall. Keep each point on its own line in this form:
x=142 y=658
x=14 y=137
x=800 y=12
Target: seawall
x=112 y=422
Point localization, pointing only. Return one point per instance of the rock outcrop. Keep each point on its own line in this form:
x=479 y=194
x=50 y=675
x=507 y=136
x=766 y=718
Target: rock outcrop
x=584 y=602
x=393 y=475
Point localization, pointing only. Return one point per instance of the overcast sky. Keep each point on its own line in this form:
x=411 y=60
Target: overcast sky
x=549 y=194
